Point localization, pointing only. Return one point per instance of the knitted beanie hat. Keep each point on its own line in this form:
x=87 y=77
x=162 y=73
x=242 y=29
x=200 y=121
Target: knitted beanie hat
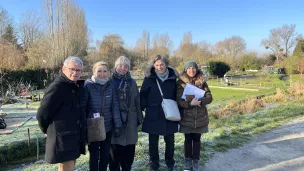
x=190 y=64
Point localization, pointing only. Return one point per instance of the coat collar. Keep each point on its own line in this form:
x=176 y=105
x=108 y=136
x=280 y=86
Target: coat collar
x=199 y=79
x=150 y=73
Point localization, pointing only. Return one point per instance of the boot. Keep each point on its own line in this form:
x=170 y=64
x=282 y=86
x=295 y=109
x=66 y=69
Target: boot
x=152 y=169
x=172 y=169
x=196 y=155
x=188 y=164
x=196 y=165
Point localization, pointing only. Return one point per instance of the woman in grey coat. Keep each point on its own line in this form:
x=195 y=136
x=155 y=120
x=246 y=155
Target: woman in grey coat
x=123 y=147
x=100 y=99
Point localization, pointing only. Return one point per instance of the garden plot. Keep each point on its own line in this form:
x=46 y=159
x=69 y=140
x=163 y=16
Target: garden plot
x=15 y=117
x=13 y=124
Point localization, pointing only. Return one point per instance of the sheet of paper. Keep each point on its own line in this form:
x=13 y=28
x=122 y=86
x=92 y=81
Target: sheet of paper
x=96 y=115
x=193 y=90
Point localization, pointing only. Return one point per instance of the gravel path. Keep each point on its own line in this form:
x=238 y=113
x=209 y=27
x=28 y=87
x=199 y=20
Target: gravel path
x=281 y=149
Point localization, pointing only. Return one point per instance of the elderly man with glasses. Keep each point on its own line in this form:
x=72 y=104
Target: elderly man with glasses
x=60 y=117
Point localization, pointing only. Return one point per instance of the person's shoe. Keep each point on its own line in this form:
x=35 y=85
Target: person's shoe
x=196 y=165
x=188 y=164
x=172 y=169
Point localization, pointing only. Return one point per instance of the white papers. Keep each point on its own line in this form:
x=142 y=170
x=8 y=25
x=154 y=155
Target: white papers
x=96 y=115
x=192 y=90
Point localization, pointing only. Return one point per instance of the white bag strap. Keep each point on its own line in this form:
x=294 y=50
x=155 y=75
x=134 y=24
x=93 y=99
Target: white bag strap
x=160 y=89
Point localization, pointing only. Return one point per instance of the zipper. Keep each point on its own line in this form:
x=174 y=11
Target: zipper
x=195 y=118
x=195 y=122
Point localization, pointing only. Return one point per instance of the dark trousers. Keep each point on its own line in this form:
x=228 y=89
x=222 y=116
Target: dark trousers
x=99 y=154
x=153 y=150
x=121 y=156
x=192 y=146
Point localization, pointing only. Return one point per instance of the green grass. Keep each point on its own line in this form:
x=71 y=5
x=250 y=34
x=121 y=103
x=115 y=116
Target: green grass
x=21 y=134
x=222 y=96
x=34 y=104
x=223 y=135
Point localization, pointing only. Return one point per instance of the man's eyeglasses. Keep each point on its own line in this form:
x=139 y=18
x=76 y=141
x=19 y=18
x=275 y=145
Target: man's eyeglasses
x=74 y=70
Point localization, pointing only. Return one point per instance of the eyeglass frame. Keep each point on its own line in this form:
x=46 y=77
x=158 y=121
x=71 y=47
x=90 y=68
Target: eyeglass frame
x=74 y=70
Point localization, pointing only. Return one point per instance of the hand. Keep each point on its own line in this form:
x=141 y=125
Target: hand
x=195 y=102
x=116 y=132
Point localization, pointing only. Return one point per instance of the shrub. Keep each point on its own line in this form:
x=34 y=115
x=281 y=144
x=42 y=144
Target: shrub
x=218 y=68
x=279 y=96
x=296 y=89
x=20 y=149
x=242 y=107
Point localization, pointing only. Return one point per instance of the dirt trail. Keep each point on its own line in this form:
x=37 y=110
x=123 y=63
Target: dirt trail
x=281 y=149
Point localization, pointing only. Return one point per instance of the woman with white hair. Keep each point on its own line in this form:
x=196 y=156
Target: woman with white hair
x=100 y=99
x=123 y=147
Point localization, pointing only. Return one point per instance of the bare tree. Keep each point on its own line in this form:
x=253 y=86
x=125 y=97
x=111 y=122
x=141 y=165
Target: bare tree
x=30 y=28
x=280 y=40
x=234 y=46
x=230 y=47
x=189 y=50
x=288 y=36
x=67 y=30
x=219 y=49
x=203 y=51
x=186 y=47
x=162 y=44
x=111 y=47
x=52 y=59
x=143 y=45
x=5 y=20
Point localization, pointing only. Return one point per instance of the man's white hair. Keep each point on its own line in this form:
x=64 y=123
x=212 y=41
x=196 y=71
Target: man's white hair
x=72 y=59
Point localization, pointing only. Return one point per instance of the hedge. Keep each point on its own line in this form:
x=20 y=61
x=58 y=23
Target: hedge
x=19 y=149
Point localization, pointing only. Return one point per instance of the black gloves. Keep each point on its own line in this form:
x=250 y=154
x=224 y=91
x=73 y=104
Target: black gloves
x=116 y=132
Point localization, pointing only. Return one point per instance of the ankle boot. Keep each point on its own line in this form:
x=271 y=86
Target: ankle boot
x=196 y=165
x=188 y=164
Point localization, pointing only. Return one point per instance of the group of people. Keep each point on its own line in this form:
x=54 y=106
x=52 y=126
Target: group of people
x=68 y=103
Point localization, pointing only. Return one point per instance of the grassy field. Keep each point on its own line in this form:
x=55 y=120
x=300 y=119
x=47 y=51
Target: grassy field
x=223 y=96
x=223 y=133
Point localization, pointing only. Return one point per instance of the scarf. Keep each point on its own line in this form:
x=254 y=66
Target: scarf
x=163 y=76
x=123 y=83
x=99 y=81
